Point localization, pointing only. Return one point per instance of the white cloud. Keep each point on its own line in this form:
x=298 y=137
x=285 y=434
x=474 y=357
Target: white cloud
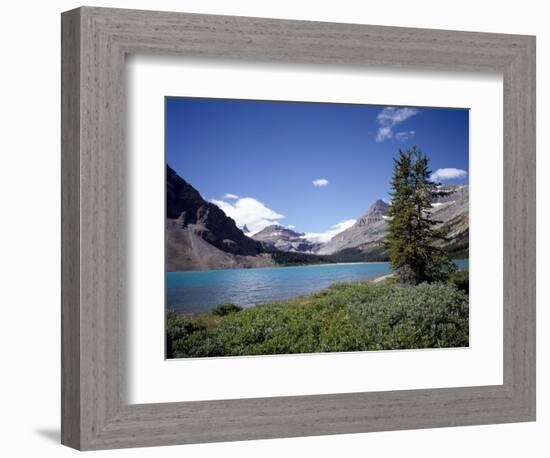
x=390 y=117
x=291 y=226
x=323 y=237
x=320 y=182
x=231 y=196
x=404 y=136
x=384 y=133
x=448 y=174
x=249 y=211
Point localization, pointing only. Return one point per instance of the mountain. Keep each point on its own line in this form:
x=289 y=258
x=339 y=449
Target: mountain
x=451 y=207
x=375 y=213
x=200 y=236
x=285 y=239
x=364 y=236
x=364 y=240
x=209 y=222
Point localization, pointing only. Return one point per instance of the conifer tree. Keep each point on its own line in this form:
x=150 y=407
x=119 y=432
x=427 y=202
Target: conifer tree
x=412 y=235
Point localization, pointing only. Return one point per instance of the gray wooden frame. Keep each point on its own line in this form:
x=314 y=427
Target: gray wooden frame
x=95 y=413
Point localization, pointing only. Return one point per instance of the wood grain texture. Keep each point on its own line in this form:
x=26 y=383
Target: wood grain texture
x=70 y=229
x=96 y=414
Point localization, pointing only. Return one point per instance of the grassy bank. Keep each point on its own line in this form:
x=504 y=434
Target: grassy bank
x=355 y=316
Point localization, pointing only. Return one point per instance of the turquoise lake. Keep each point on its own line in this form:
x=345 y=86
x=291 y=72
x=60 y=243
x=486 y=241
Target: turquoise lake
x=198 y=291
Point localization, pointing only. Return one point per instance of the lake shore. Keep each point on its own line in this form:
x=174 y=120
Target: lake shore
x=348 y=316
x=381 y=278
x=376 y=279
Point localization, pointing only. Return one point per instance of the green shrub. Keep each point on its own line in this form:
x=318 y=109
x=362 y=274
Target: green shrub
x=461 y=279
x=179 y=328
x=225 y=309
x=357 y=316
x=423 y=316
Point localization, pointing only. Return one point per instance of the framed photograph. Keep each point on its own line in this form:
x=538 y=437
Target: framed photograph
x=277 y=228
x=341 y=198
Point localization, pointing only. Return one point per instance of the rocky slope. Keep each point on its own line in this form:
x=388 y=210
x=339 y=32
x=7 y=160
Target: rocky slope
x=208 y=221
x=187 y=250
x=285 y=239
x=363 y=241
x=451 y=208
x=200 y=236
x=365 y=235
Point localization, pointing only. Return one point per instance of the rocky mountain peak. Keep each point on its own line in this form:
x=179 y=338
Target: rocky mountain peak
x=278 y=231
x=374 y=214
x=378 y=208
x=285 y=239
x=273 y=227
x=189 y=210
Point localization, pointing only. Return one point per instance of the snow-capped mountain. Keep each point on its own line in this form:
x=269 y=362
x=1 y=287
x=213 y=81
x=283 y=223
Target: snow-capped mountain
x=285 y=239
x=364 y=240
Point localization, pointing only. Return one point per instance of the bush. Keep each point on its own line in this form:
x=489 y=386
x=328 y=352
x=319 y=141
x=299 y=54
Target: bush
x=225 y=309
x=461 y=279
x=345 y=317
x=424 y=316
x=178 y=328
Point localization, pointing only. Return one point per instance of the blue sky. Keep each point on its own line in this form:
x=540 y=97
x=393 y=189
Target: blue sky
x=312 y=166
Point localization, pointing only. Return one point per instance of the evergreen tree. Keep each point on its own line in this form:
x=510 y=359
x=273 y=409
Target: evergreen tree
x=412 y=234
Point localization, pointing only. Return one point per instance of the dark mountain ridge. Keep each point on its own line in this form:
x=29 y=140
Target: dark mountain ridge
x=200 y=236
x=186 y=205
